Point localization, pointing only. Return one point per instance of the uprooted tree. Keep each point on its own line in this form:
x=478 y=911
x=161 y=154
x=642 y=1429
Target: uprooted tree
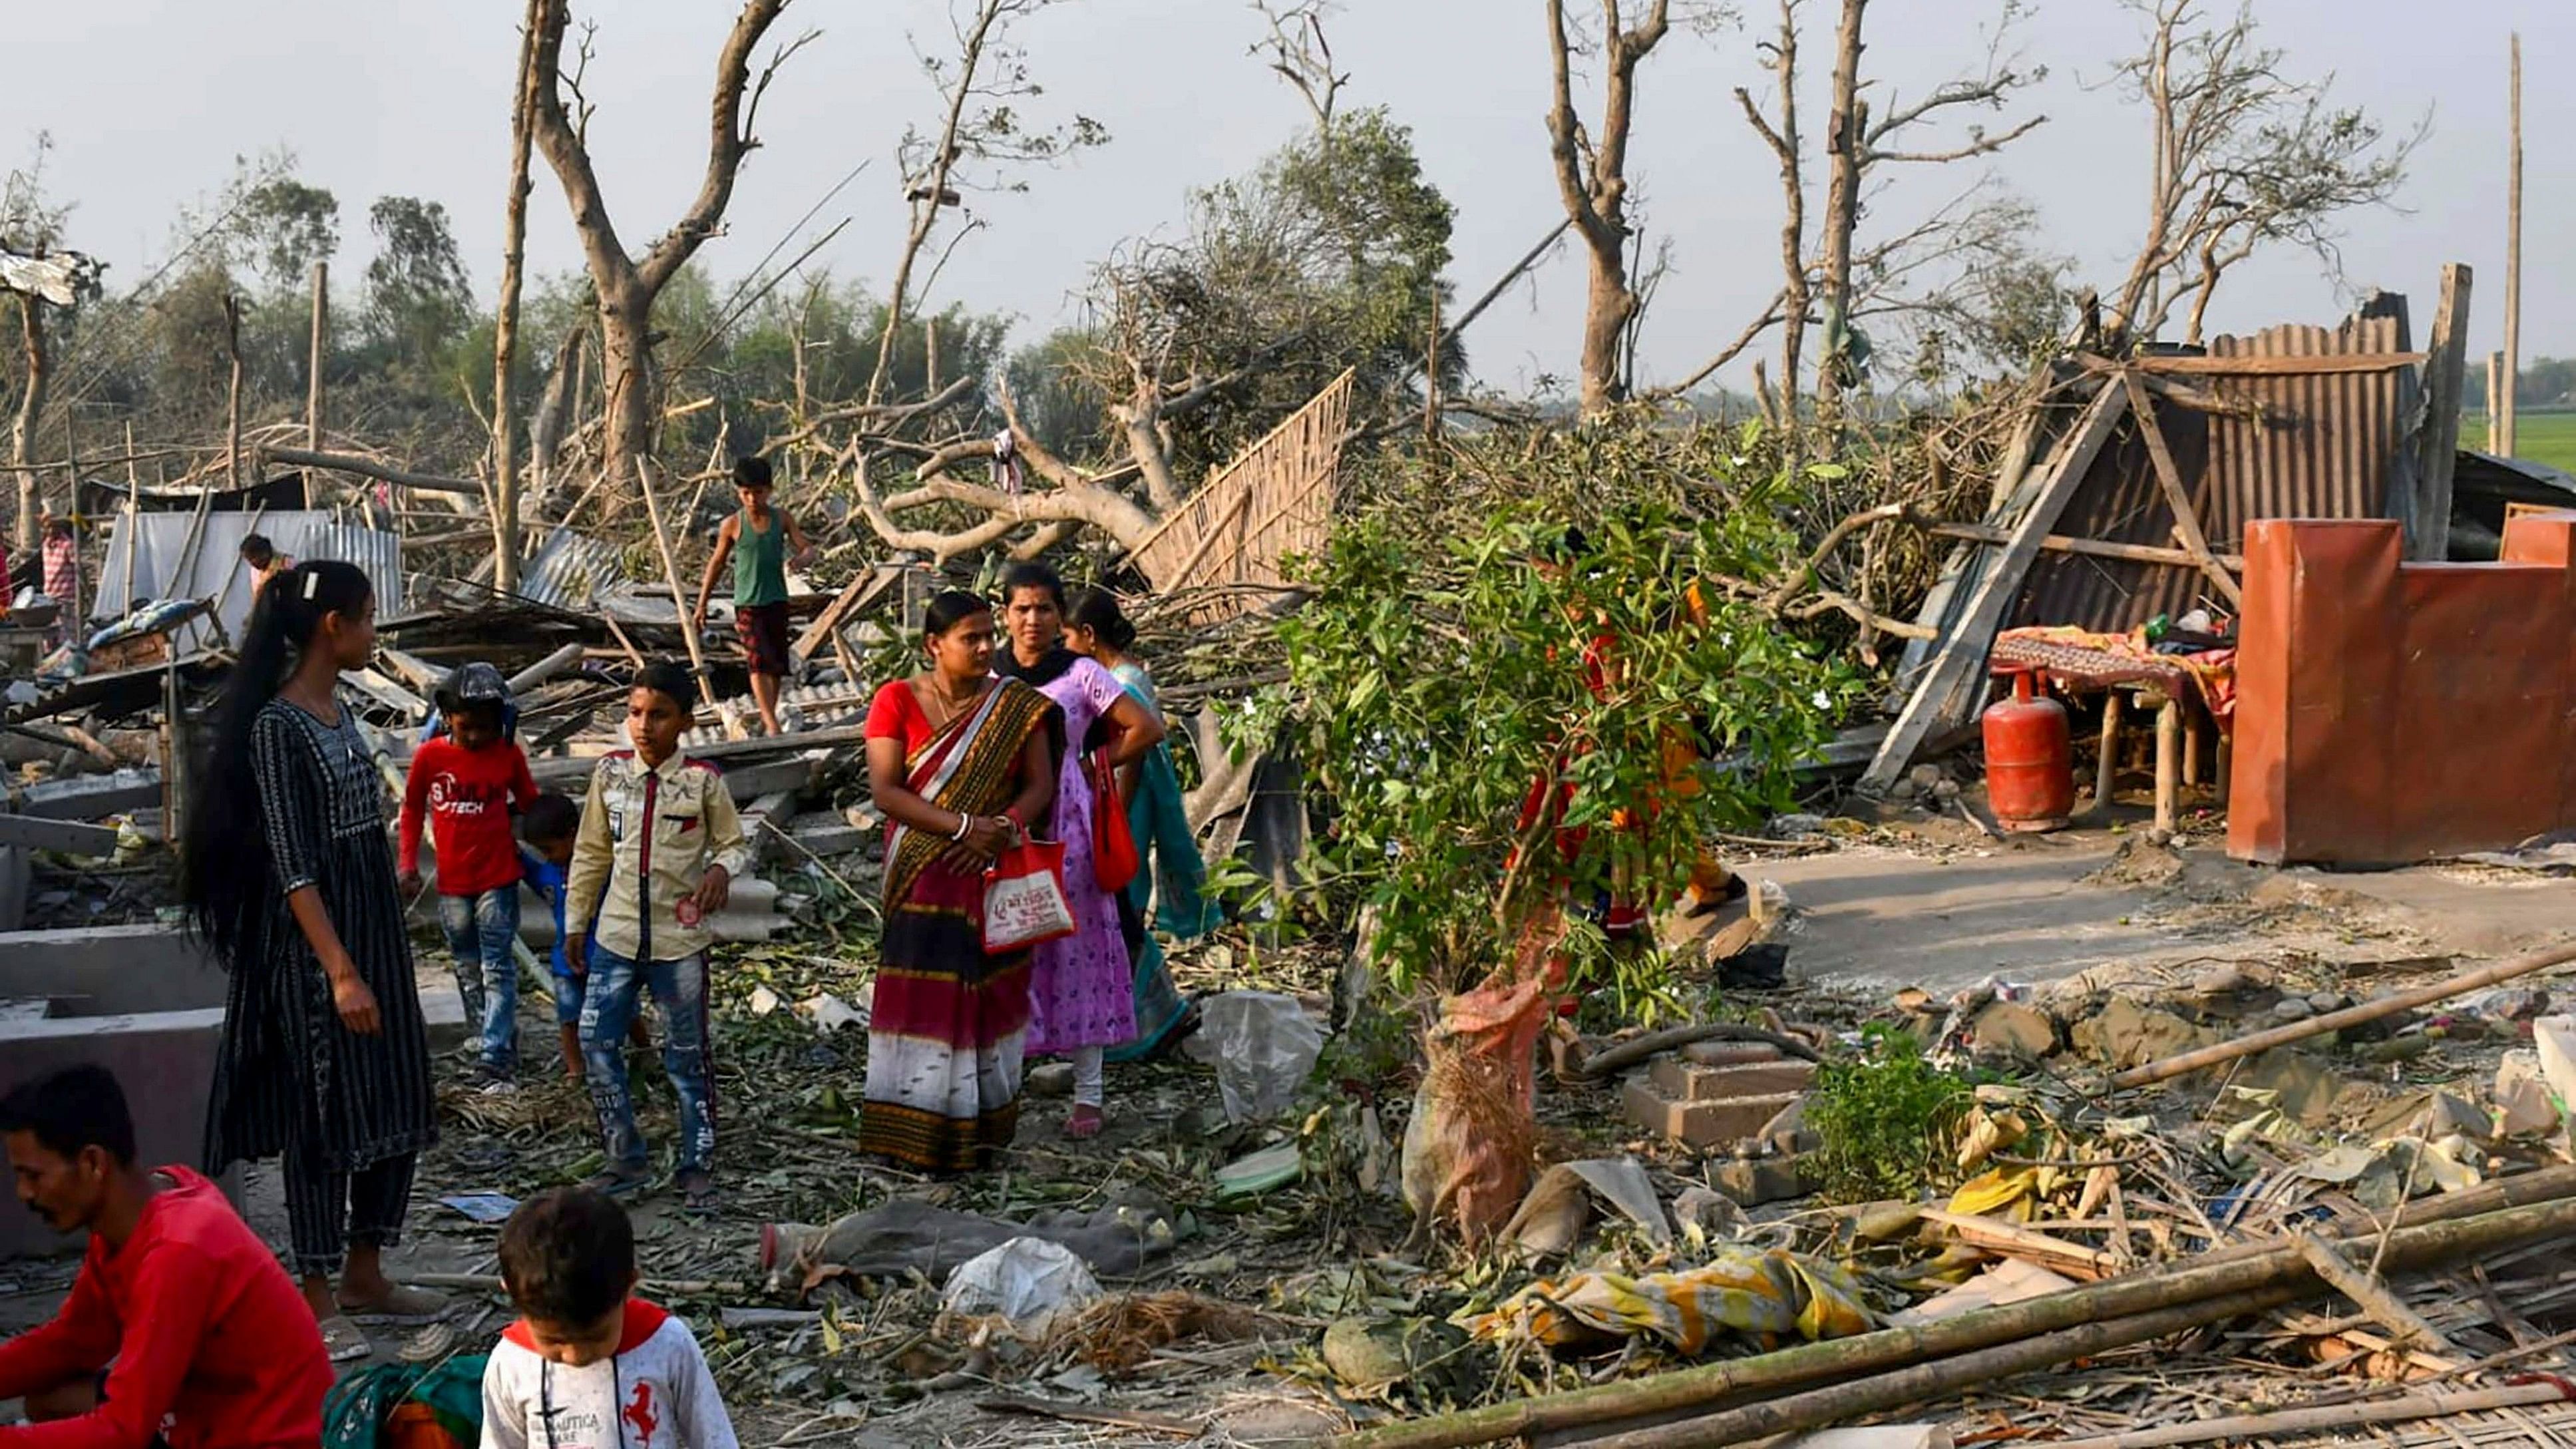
x=1328 y=257
x=623 y=282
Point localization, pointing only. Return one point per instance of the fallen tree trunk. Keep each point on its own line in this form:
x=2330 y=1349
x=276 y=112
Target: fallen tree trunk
x=370 y=468
x=2368 y=1011
x=2241 y=1268
x=2289 y=1275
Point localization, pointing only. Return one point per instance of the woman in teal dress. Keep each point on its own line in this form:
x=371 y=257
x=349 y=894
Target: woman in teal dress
x=1168 y=896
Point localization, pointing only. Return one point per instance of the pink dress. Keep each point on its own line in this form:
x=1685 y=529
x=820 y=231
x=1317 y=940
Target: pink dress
x=1081 y=988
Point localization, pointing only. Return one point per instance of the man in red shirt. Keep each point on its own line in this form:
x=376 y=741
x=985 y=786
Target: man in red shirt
x=181 y=1327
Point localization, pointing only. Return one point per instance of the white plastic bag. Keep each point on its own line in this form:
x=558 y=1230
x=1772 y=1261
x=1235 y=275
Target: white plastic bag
x=1026 y=1280
x=1262 y=1044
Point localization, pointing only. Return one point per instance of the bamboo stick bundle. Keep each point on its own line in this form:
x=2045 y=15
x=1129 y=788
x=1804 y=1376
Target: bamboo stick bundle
x=2235 y=1270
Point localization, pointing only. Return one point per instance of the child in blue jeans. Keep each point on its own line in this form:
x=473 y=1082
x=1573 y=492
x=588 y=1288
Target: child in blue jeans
x=659 y=845
x=547 y=830
x=463 y=786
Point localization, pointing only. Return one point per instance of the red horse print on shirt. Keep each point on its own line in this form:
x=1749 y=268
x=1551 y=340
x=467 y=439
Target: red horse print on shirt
x=640 y=1414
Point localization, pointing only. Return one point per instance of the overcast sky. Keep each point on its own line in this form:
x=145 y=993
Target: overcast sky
x=148 y=104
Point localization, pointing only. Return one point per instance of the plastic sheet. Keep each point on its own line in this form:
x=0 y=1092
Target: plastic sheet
x=1262 y=1046
x=1027 y=1281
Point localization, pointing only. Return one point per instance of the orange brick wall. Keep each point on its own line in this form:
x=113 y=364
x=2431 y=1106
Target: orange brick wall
x=2390 y=712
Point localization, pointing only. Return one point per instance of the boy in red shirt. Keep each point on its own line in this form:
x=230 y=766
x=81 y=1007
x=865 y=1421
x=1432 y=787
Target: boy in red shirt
x=467 y=782
x=181 y=1327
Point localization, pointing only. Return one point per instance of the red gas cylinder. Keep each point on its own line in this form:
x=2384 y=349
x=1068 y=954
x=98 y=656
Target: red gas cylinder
x=2030 y=761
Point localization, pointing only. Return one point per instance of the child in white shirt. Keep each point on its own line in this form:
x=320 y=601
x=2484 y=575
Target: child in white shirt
x=588 y=1365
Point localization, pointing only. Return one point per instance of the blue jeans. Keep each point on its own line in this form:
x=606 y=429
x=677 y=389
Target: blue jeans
x=481 y=930
x=609 y=999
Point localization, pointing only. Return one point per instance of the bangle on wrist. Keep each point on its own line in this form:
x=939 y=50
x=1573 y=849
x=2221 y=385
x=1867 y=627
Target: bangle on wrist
x=965 y=822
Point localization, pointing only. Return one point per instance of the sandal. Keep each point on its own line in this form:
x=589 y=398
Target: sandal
x=616 y=1184
x=344 y=1341
x=1085 y=1121
x=698 y=1195
x=400 y=1301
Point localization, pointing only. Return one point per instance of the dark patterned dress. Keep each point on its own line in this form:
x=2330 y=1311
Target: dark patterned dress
x=290 y=1078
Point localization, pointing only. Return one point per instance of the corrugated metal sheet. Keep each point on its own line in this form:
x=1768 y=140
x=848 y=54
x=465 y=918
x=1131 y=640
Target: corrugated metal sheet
x=377 y=553
x=2317 y=445
x=144 y=551
x=568 y=570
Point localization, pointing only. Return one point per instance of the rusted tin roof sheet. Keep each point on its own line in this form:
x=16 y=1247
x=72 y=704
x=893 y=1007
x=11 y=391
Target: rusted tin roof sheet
x=2305 y=445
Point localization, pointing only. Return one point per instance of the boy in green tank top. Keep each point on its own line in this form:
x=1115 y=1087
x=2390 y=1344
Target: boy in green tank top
x=759 y=541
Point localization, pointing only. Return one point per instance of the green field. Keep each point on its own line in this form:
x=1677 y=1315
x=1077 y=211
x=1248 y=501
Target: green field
x=2548 y=437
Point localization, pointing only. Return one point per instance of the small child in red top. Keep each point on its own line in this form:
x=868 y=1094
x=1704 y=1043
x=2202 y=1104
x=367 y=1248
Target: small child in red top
x=467 y=782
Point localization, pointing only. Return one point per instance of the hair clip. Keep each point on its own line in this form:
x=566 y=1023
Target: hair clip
x=312 y=581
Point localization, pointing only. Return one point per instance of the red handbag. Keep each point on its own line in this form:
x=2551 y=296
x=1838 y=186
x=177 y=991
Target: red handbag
x=1114 y=859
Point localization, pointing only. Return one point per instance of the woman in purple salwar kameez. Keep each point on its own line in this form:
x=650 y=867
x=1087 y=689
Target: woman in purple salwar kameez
x=1081 y=988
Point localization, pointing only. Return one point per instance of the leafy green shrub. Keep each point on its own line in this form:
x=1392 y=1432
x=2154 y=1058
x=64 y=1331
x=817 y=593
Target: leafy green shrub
x=1437 y=671
x=1888 y=1119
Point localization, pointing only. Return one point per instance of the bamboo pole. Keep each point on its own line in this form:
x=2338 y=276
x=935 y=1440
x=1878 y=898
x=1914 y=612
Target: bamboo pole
x=2262 y=1041
x=2372 y=1297
x=2290 y=1422
x=671 y=575
x=133 y=515
x=2292 y=1279
x=2236 y=1269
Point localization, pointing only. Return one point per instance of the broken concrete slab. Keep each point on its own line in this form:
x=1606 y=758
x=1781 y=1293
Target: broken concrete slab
x=91 y=797
x=34 y=832
x=146 y=1003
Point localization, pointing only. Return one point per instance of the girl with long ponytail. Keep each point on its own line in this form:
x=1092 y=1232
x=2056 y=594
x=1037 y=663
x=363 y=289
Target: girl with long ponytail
x=289 y=879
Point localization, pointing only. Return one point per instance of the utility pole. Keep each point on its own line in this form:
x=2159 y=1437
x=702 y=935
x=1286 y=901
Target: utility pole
x=2512 y=266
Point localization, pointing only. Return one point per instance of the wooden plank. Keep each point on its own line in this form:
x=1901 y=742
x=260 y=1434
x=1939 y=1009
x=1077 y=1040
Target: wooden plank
x=385 y=692
x=2073 y=1259
x=419 y=673
x=2089 y=547
x=36 y=833
x=1962 y=656
x=863 y=591
x=2177 y=497
x=2314 y=365
x=2428 y=536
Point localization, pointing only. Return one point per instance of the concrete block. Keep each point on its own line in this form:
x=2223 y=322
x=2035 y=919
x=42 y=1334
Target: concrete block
x=110 y=970
x=1720 y=1123
x=143 y=1002
x=1754 y=1181
x=442 y=1008
x=1730 y=1053
x=1690 y=1082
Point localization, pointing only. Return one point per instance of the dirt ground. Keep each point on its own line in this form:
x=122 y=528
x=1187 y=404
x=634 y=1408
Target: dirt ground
x=1929 y=903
